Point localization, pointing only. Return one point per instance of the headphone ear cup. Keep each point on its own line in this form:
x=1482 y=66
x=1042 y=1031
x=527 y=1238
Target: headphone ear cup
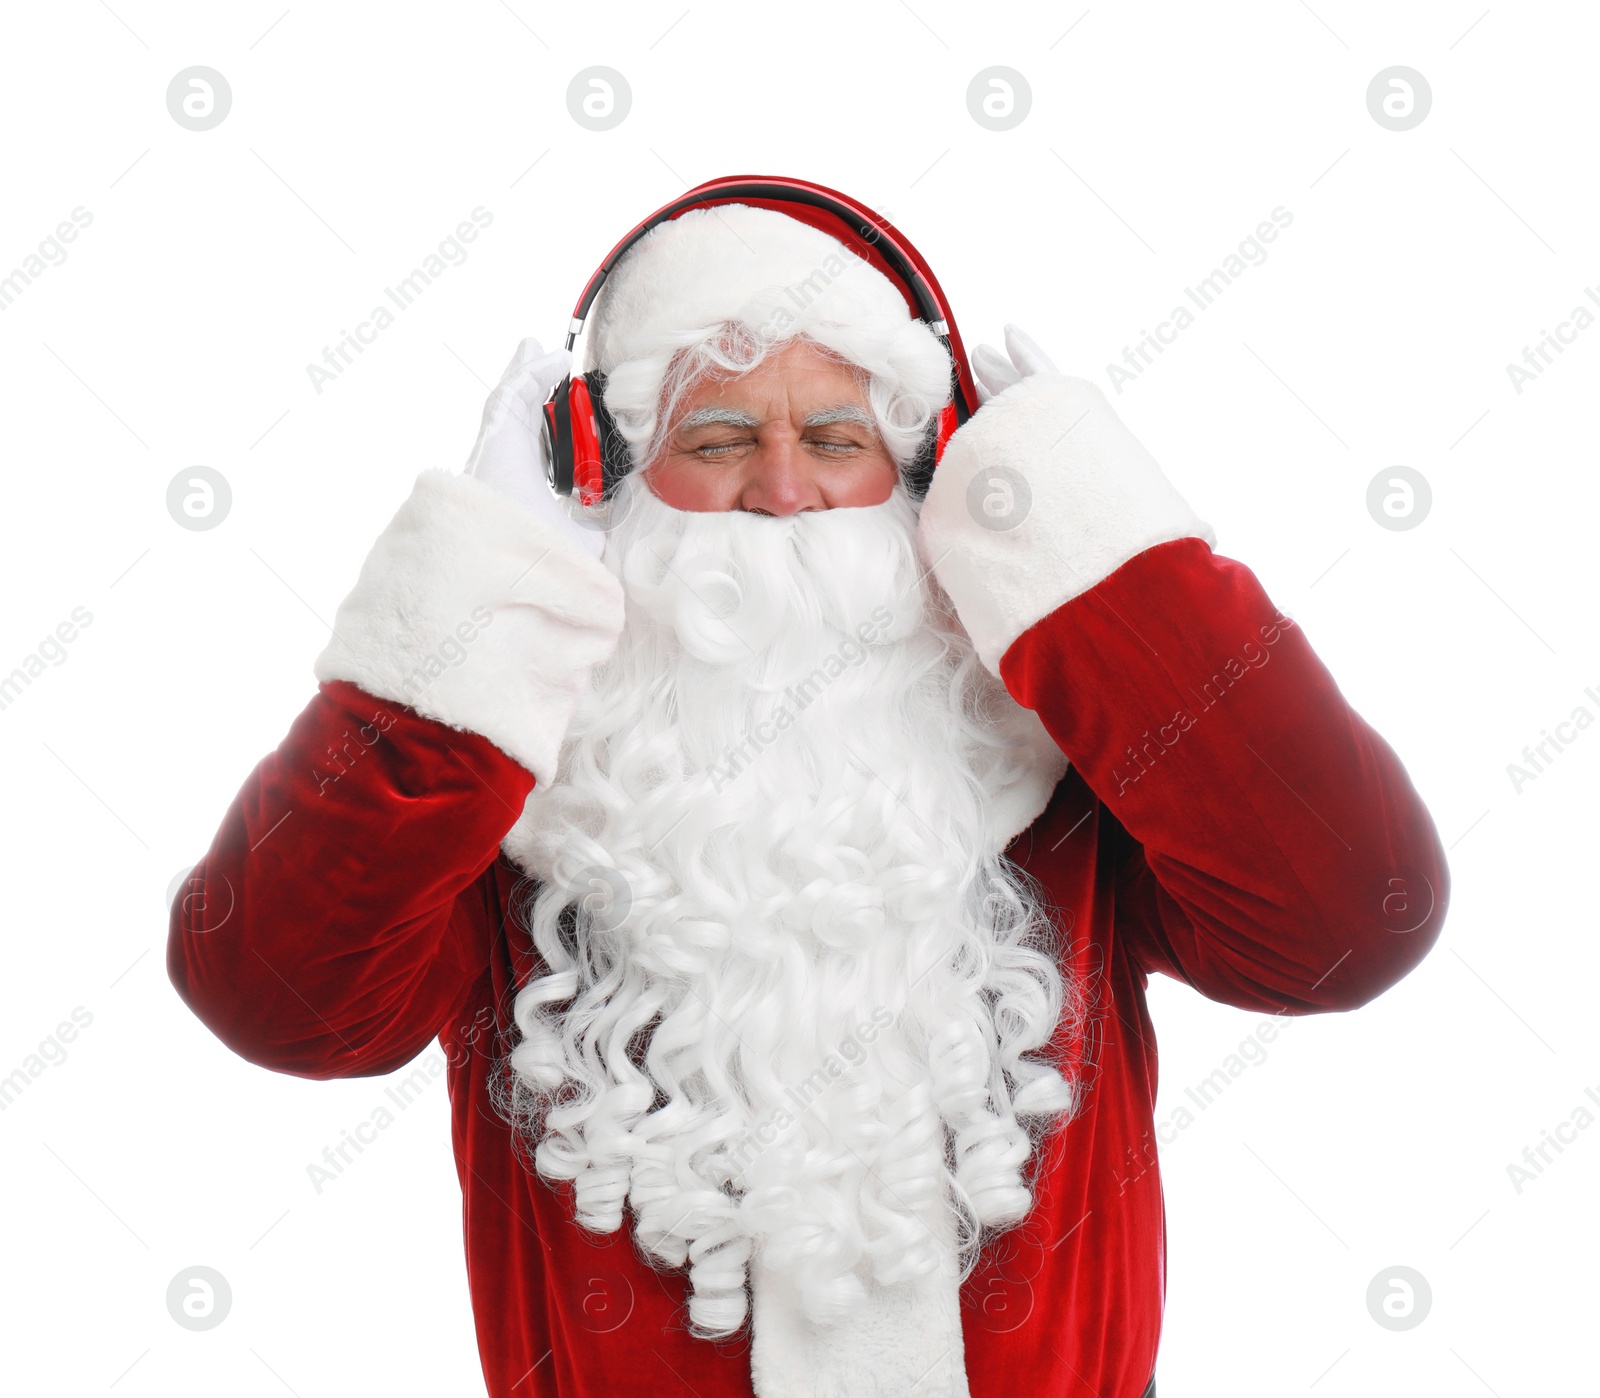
x=547 y=443
x=949 y=420
x=583 y=445
x=555 y=430
x=920 y=474
x=615 y=459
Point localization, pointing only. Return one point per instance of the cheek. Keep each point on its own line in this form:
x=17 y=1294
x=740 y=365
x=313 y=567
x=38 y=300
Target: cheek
x=872 y=484
x=685 y=489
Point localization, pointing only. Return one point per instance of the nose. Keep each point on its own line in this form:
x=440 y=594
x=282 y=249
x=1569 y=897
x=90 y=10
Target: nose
x=781 y=479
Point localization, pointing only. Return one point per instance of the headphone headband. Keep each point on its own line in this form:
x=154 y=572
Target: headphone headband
x=853 y=223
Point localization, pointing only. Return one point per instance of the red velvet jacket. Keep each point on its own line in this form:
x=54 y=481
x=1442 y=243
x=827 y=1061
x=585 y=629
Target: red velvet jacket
x=1227 y=819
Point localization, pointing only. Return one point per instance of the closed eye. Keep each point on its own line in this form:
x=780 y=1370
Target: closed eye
x=712 y=450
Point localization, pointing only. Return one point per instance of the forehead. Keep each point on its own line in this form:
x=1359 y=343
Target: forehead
x=798 y=373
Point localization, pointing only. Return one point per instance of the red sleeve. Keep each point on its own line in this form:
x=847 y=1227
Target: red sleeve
x=1278 y=857
x=341 y=911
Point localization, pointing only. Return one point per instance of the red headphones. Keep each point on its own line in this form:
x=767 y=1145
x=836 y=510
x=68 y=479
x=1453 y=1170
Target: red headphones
x=582 y=445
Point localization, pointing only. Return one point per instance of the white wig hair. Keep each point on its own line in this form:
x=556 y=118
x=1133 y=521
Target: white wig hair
x=748 y=928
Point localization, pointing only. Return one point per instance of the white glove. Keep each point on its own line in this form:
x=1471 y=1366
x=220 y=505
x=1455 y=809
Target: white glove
x=993 y=373
x=509 y=453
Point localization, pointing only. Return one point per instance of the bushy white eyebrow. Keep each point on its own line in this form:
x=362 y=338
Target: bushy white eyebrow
x=738 y=417
x=731 y=417
x=845 y=412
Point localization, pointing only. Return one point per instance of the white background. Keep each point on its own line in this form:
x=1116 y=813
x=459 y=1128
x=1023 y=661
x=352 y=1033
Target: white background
x=1377 y=333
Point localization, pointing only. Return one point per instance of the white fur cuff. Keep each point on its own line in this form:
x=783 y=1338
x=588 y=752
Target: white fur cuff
x=474 y=611
x=1040 y=496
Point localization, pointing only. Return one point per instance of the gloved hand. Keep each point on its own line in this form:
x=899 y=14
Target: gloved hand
x=993 y=373
x=509 y=453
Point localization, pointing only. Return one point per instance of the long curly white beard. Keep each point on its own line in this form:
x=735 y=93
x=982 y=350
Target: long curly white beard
x=792 y=987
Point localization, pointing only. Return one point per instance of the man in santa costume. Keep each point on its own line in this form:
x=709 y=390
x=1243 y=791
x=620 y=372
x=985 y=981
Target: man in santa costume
x=780 y=855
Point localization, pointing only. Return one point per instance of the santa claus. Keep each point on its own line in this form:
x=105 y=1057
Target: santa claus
x=780 y=841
